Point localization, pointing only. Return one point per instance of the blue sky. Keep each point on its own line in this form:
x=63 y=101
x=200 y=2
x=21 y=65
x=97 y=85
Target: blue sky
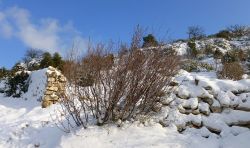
x=55 y=24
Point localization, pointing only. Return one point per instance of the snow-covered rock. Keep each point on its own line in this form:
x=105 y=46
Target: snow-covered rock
x=204 y=108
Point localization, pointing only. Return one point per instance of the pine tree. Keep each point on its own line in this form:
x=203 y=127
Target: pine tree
x=193 y=50
x=16 y=68
x=46 y=61
x=57 y=61
x=149 y=41
x=3 y=72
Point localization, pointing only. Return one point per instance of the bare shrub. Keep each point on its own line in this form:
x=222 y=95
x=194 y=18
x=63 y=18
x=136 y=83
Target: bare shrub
x=33 y=58
x=238 y=30
x=124 y=86
x=195 y=32
x=232 y=71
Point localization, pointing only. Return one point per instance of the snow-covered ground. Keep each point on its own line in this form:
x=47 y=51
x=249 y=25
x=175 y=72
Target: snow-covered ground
x=23 y=123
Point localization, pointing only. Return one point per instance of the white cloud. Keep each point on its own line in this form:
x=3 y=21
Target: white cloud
x=47 y=34
x=5 y=27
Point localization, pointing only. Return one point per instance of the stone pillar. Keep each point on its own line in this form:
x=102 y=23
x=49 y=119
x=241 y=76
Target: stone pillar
x=56 y=85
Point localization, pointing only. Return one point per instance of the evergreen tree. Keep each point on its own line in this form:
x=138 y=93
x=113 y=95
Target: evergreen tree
x=3 y=72
x=17 y=84
x=57 y=61
x=16 y=68
x=46 y=61
x=193 y=52
x=149 y=41
x=230 y=57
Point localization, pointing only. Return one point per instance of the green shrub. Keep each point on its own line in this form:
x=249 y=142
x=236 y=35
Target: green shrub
x=149 y=41
x=218 y=54
x=17 y=84
x=225 y=34
x=57 y=61
x=230 y=56
x=16 y=68
x=193 y=51
x=3 y=72
x=209 y=49
x=46 y=61
x=195 y=66
x=242 y=55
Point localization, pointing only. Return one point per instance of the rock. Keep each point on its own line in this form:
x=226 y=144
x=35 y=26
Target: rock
x=204 y=108
x=196 y=123
x=244 y=108
x=180 y=126
x=216 y=107
x=208 y=88
x=196 y=81
x=163 y=123
x=196 y=112
x=49 y=92
x=49 y=84
x=213 y=129
x=191 y=103
x=62 y=87
x=157 y=107
x=54 y=97
x=181 y=109
x=173 y=83
x=46 y=103
x=53 y=88
x=206 y=98
x=62 y=78
x=56 y=85
x=224 y=99
x=51 y=68
x=47 y=98
x=183 y=92
x=51 y=79
x=53 y=74
x=164 y=101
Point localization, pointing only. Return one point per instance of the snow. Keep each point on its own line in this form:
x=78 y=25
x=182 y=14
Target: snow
x=191 y=103
x=224 y=99
x=155 y=136
x=37 y=84
x=204 y=108
x=25 y=124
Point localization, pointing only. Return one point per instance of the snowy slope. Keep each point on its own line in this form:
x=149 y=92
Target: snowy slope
x=23 y=123
x=221 y=44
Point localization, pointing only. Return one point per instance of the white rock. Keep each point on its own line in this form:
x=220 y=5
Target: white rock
x=204 y=108
x=183 y=92
x=191 y=103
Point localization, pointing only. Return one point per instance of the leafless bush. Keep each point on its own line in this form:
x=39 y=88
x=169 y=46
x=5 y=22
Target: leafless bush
x=123 y=86
x=195 y=32
x=238 y=30
x=232 y=71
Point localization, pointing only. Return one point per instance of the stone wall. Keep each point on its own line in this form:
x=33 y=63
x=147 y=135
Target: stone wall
x=216 y=105
x=56 y=85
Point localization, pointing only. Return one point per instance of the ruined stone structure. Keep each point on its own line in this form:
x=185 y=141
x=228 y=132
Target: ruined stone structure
x=56 y=85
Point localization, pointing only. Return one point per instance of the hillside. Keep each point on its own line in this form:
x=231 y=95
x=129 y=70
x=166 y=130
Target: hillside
x=202 y=110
